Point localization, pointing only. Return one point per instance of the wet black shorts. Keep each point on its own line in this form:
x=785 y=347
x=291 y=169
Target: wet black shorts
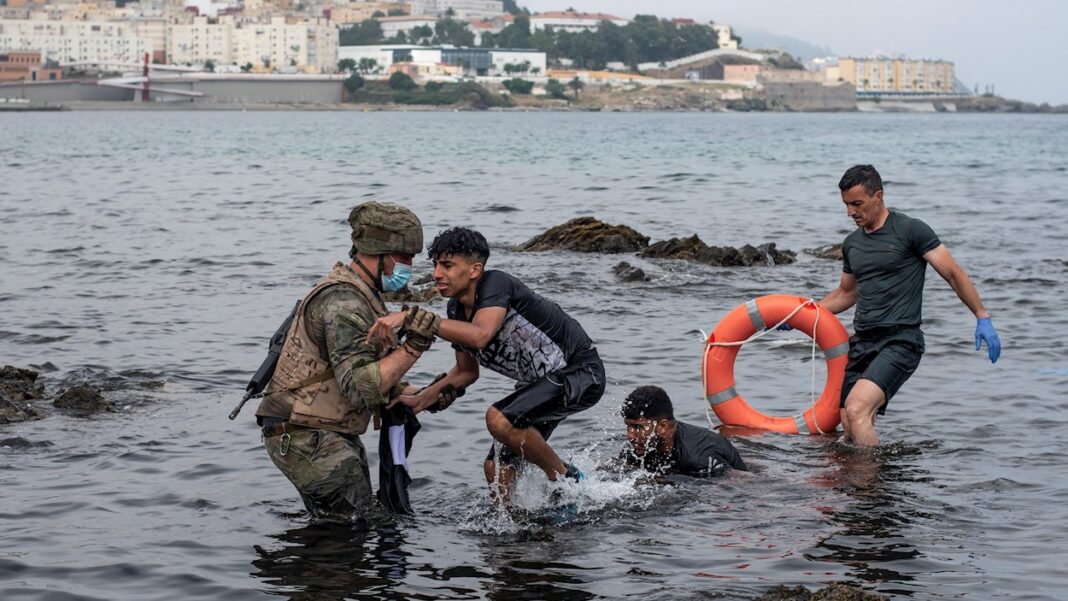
x=887 y=360
x=544 y=403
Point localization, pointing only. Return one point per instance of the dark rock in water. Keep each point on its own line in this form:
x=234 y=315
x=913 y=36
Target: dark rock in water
x=590 y=235
x=412 y=294
x=766 y=254
x=625 y=272
x=82 y=398
x=834 y=592
x=19 y=442
x=12 y=411
x=17 y=386
x=827 y=251
x=694 y=249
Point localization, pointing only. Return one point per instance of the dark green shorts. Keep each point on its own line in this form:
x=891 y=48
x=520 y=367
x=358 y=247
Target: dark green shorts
x=885 y=360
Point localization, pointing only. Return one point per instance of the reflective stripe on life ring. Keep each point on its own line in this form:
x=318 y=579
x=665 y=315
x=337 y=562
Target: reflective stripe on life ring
x=717 y=368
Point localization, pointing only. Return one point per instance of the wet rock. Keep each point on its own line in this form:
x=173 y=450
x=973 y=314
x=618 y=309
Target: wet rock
x=766 y=254
x=834 y=592
x=420 y=290
x=587 y=234
x=19 y=442
x=82 y=398
x=827 y=251
x=625 y=272
x=694 y=249
x=105 y=380
x=12 y=411
x=17 y=386
x=412 y=294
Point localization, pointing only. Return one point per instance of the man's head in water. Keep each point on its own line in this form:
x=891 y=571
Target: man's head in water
x=459 y=255
x=650 y=421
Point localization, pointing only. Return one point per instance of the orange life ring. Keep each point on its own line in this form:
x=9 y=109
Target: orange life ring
x=722 y=346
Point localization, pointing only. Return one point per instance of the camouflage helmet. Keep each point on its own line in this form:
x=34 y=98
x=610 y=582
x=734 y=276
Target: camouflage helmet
x=382 y=228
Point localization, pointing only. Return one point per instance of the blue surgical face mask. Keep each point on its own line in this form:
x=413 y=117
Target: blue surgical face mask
x=401 y=275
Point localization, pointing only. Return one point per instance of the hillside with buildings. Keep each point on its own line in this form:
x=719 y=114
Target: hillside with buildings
x=285 y=51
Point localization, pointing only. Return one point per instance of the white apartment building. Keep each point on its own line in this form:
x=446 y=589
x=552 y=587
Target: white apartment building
x=280 y=42
x=464 y=10
x=76 y=41
x=391 y=26
x=197 y=42
x=572 y=21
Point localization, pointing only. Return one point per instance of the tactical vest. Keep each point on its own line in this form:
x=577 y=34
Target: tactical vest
x=303 y=383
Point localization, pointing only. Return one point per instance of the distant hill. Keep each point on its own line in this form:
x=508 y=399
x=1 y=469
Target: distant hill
x=799 y=49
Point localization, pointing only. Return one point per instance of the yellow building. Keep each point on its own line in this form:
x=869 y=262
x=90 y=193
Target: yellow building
x=897 y=75
x=346 y=14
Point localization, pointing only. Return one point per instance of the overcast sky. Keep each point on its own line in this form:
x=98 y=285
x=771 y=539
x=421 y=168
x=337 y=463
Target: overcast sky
x=1020 y=46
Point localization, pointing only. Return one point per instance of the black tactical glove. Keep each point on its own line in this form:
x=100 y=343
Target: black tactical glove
x=446 y=396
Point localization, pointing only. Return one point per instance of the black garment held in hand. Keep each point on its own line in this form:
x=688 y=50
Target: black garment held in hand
x=393 y=476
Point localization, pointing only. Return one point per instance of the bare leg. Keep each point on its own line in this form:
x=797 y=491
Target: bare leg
x=500 y=489
x=859 y=412
x=525 y=442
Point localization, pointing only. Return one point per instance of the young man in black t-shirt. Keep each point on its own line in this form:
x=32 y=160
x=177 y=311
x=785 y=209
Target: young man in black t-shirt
x=495 y=321
x=883 y=272
x=659 y=443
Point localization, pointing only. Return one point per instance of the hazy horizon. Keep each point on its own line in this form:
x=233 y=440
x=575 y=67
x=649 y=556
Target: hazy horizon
x=1007 y=45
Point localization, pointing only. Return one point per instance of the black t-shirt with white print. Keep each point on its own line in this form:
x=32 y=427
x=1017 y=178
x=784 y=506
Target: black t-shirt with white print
x=536 y=338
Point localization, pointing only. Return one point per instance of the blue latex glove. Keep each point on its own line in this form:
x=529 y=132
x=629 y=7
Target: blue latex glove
x=984 y=332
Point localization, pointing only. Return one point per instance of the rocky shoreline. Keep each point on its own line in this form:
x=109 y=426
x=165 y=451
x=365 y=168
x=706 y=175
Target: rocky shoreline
x=25 y=396
x=590 y=235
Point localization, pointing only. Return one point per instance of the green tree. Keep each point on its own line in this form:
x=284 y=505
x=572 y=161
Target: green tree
x=518 y=86
x=367 y=65
x=346 y=64
x=433 y=86
x=377 y=14
x=401 y=81
x=448 y=31
x=396 y=12
x=246 y=67
x=576 y=85
x=555 y=89
x=512 y=7
x=364 y=33
x=209 y=66
x=353 y=82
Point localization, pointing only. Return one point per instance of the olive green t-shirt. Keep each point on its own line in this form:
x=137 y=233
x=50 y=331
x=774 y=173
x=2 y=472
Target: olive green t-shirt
x=889 y=266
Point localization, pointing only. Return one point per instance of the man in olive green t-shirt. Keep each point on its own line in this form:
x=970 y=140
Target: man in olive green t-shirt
x=884 y=263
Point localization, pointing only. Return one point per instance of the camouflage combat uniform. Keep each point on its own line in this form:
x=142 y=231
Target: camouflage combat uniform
x=326 y=384
x=328 y=465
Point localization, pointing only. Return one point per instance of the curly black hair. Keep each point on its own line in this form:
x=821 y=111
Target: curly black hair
x=459 y=241
x=650 y=402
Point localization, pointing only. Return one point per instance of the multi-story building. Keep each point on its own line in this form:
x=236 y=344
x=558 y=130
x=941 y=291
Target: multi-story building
x=354 y=12
x=15 y=66
x=76 y=41
x=465 y=10
x=391 y=26
x=310 y=44
x=896 y=75
x=201 y=41
x=572 y=21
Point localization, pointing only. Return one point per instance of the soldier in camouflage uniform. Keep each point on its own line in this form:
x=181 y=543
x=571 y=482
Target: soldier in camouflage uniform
x=330 y=380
